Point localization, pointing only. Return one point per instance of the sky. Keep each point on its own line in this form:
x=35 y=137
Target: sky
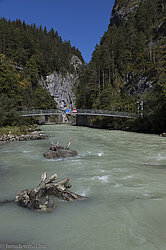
x=83 y=22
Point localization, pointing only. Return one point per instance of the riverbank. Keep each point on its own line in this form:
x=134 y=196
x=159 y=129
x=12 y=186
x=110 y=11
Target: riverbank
x=26 y=133
x=123 y=124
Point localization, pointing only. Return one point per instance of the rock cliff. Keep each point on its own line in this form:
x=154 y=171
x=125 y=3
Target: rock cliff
x=122 y=9
x=61 y=85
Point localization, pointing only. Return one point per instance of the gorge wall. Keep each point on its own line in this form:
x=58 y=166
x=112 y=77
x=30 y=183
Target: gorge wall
x=61 y=86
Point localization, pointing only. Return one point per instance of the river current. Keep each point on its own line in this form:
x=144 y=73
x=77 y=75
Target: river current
x=123 y=174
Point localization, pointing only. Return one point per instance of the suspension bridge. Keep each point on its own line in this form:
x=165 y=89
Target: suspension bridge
x=82 y=112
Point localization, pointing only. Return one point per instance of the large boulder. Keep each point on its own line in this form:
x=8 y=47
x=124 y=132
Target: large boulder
x=60 y=153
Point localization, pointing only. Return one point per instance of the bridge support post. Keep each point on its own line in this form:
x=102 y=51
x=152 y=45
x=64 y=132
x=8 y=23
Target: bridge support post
x=64 y=118
x=142 y=109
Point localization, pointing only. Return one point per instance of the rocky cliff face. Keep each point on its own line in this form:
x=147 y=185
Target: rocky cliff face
x=61 y=86
x=123 y=9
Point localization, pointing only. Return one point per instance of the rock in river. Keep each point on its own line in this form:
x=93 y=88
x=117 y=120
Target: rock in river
x=60 y=153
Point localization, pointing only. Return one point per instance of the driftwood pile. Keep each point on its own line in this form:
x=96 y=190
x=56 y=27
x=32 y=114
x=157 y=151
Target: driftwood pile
x=59 y=151
x=32 y=199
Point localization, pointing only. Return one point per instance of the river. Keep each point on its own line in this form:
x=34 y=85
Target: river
x=121 y=173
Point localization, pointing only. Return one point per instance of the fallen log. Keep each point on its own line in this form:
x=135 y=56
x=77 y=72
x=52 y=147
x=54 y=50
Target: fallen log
x=32 y=199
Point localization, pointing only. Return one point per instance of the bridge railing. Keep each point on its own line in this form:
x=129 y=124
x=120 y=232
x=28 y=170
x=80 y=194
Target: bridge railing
x=40 y=112
x=106 y=112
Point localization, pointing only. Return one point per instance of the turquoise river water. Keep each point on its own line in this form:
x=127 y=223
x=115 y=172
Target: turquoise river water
x=123 y=175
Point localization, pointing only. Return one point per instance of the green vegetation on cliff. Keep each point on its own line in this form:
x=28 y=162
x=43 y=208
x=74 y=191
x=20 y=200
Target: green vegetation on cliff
x=129 y=64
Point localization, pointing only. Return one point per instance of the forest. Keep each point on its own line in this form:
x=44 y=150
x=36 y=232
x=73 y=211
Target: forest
x=129 y=65
x=27 y=54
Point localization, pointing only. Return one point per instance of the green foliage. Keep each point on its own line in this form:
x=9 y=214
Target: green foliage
x=8 y=112
x=14 y=130
x=22 y=87
x=8 y=77
x=30 y=45
x=155 y=112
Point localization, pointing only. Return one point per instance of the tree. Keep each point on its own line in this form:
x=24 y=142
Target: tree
x=8 y=111
x=31 y=70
